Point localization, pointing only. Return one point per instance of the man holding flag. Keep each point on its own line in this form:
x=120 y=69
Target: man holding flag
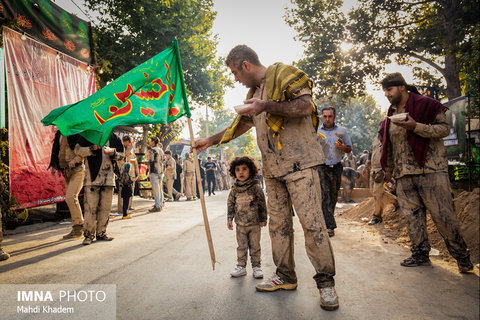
x=99 y=184
x=286 y=119
x=153 y=92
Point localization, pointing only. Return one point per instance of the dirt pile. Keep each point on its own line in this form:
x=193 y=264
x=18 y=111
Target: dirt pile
x=394 y=223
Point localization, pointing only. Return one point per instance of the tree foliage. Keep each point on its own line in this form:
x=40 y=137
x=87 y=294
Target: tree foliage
x=432 y=32
x=245 y=144
x=130 y=32
x=471 y=73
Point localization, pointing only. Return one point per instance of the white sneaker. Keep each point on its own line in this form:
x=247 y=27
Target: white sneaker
x=257 y=273
x=239 y=272
x=328 y=298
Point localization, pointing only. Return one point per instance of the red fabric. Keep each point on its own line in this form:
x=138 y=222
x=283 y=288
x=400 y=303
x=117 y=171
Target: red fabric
x=38 y=82
x=423 y=110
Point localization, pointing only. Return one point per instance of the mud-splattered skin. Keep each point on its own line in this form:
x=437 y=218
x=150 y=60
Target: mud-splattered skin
x=425 y=188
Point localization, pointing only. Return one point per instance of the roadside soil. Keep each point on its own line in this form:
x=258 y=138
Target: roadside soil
x=394 y=224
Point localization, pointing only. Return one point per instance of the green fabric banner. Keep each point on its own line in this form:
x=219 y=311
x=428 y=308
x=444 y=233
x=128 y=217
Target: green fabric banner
x=153 y=92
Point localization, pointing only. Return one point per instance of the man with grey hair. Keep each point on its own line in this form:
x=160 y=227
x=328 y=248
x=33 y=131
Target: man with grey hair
x=413 y=151
x=286 y=120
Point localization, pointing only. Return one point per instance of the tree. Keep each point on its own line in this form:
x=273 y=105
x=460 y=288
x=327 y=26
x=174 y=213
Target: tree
x=432 y=32
x=360 y=116
x=245 y=144
x=471 y=74
x=130 y=32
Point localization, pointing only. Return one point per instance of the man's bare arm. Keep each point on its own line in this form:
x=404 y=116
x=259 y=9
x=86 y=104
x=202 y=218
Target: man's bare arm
x=204 y=143
x=296 y=108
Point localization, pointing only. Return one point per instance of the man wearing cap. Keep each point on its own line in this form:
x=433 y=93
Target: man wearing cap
x=413 y=151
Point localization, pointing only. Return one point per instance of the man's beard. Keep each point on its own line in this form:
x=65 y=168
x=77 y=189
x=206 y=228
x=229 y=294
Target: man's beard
x=396 y=99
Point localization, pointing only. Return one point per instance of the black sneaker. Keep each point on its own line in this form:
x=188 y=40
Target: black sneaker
x=464 y=265
x=104 y=238
x=331 y=232
x=415 y=261
x=374 y=221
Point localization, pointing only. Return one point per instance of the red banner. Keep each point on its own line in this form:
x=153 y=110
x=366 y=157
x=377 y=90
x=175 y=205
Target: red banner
x=38 y=81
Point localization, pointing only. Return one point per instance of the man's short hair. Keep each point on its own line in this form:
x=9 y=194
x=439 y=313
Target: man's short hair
x=208 y=158
x=330 y=108
x=242 y=53
x=155 y=140
x=126 y=138
x=168 y=152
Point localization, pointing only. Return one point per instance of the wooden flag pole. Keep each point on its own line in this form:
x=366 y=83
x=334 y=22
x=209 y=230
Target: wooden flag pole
x=202 y=197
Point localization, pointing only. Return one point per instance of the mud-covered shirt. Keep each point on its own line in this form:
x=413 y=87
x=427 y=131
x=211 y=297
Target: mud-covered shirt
x=401 y=154
x=246 y=203
x=294 y=149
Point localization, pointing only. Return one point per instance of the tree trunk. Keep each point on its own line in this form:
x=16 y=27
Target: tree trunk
x=144 y=138
x=452 y=77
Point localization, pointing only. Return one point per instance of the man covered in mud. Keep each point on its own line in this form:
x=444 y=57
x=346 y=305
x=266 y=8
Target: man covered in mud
x=285 y=119
x=99 y=184
x=413 y=151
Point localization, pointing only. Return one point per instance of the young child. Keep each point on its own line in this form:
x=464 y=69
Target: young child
x=126 y=182
x=247 y=206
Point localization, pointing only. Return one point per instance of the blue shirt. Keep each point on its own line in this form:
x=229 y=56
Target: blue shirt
x=332 y=154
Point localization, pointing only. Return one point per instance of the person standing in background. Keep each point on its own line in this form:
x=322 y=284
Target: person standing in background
x=335 y=143
x=170 y=173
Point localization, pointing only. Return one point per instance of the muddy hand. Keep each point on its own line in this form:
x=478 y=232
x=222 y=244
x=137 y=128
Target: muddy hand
x=408 y=124
x=255 y=108
x=201 y=144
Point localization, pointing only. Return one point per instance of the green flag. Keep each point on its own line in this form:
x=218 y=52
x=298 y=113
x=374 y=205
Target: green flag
x=153 y=92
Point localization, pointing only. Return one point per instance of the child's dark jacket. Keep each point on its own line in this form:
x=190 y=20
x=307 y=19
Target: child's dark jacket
x=246 y=203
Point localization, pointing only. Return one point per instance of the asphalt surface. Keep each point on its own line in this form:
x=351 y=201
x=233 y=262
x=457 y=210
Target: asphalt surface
x=161 y=266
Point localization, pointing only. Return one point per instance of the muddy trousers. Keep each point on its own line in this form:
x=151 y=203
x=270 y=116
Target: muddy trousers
x=302 y=190
x=248 y=238
x=73 y=185
x=330 y=179
x=377 y=192
x=418 y=193
x=98 y=204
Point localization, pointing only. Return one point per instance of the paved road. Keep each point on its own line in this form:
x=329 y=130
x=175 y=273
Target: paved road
x=161 y=266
